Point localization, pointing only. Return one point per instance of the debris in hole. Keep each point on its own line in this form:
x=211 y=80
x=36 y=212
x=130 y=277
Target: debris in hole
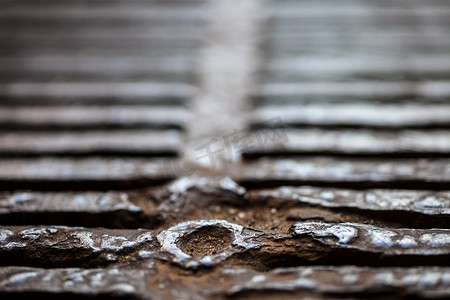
x=206 y=242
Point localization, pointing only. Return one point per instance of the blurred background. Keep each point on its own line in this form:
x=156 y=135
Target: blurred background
x=98 y=79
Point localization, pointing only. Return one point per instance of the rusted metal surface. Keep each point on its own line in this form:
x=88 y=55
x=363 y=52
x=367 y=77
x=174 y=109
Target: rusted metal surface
x=298 y=283
x=423 y=173
x=290 y=69
x=53 y=246
x=328 y=173
x=423 y=202
x=146 y=142
x=358 y=142
x=389 y=242
x=209 y=243
x=359 y=114
x=43 y=68
x=93 y=209
x=92 y=116
x=88 y=173
x=92 y=92
x=364 y=172
x=370 y=90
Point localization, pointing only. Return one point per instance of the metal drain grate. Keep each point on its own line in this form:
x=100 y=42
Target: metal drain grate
x=220 y=149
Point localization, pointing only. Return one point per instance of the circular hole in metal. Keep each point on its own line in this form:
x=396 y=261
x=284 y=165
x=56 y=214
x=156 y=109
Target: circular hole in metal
x=208 y=240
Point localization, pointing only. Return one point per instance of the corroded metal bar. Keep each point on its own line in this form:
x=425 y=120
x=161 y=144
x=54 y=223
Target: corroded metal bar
x=356 y=14
x=300 y=282
x=127 y=92
x=209 y=243
x=92 y=116
x=105 y=43
x=91 y=209
x=362 y=89
x=76 y=246
x=353 y=142
x=382 y=42
x=333 y=282
x=144 y=142
x=96 y=67
x=423 y=202
x=367 y=238
x=347 y=66
x=83 y=173
x=354 y=173
x=100 y=12
x=357 y=114
x=149 y=208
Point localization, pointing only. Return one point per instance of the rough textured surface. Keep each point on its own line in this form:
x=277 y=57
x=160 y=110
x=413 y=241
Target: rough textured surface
x=66 y=93
x=302 y=149
x=146 y=142
x=110 y=209
x=208 y=243
x=373 y=239
x=91 y=116
x=54 y=246
x=415 y=173
x=423 y=202
x=357 y=115
x=86 y=173
x=356 y=142
x=299 y=283
x=365 y=172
